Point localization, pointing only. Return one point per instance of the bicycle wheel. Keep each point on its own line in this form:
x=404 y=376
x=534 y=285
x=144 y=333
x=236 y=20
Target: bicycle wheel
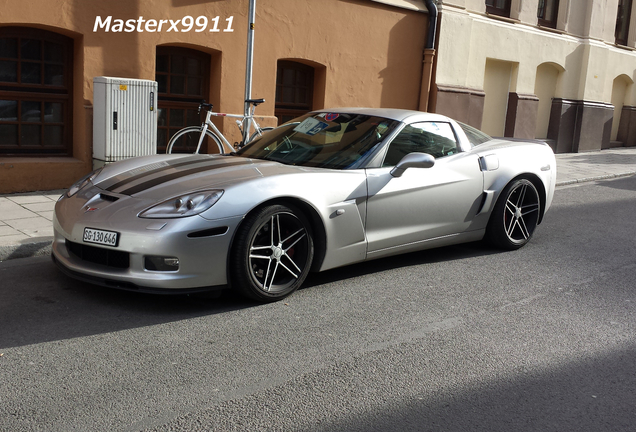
x=186 y=140
x=256 y=134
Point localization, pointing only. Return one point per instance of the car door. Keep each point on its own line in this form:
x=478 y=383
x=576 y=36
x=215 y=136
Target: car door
x=423 y=203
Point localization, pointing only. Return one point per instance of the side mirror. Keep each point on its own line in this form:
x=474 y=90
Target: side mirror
x=413 y=160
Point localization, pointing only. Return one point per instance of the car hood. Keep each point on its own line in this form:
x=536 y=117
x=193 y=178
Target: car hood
x=159 y=177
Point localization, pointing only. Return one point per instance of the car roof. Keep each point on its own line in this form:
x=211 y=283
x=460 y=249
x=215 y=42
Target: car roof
x=391 y=113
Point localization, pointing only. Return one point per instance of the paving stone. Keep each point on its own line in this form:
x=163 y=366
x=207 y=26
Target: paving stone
x=41 y=207
x=6 y=230
x=28 y=223
x=12 y=239
x=10 y=210
x=54 y=195
x=40 y=232
x=48 y=215
x=28 y=199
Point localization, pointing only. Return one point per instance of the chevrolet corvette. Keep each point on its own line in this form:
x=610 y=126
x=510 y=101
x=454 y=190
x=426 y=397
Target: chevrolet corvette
x=328 y=189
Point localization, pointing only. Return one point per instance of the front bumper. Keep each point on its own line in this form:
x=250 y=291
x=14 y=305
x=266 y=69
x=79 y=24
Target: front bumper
x=202 y=259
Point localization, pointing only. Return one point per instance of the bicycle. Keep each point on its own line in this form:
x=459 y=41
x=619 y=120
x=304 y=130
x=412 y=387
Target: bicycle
x=194 y=137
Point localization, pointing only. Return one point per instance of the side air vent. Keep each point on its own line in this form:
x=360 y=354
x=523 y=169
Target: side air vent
x=208 y=232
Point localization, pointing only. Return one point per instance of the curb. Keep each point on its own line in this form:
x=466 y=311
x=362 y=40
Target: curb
x=590 y=179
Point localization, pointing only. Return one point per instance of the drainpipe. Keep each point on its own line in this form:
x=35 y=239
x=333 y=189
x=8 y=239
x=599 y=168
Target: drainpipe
x=250 y=55
x=429 y=55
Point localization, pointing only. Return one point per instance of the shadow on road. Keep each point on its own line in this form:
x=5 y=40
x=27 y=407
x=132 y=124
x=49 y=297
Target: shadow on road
x=449 y=253
x=40 y=304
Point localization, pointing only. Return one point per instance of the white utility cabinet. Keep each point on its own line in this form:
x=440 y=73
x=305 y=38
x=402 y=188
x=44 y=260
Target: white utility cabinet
x=124 y=118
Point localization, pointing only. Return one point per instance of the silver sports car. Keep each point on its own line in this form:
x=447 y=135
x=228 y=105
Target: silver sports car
x=331 y=188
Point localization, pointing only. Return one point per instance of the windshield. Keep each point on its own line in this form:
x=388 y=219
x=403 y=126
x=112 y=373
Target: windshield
x=326 y=140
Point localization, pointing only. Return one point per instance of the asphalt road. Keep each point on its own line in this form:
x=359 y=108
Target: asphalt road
x=457 y=339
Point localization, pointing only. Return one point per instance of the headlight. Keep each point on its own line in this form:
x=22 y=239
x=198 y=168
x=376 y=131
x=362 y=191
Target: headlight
x=182 y=206
x=79 y=185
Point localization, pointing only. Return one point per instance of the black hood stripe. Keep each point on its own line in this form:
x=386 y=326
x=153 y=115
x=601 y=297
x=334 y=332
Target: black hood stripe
x=169 y=165
x=163 y=179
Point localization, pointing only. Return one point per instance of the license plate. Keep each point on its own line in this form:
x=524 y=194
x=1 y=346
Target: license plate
x=108 y=238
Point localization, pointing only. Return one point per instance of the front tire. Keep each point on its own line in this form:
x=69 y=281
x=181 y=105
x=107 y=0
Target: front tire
x=515 y=216
x=273 y=253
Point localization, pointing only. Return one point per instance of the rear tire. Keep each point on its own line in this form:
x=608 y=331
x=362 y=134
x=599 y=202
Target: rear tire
x=272 y=253
x=515 y=216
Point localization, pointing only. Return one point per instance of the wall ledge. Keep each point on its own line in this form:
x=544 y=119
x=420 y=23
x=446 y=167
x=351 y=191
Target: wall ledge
x=37 y=160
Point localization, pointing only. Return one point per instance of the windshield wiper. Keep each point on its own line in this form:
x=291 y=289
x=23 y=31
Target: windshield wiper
x=282 y=161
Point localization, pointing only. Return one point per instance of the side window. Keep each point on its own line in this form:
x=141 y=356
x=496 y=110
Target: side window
x=434 y=138
x=475 y=136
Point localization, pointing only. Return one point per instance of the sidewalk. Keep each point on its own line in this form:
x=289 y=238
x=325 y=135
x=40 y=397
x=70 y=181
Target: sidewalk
x=25 y=219
x=26 y=227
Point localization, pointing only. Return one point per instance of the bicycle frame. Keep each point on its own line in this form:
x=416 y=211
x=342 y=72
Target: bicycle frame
x=246 y=124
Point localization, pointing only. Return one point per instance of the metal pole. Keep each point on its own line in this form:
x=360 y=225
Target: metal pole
x=250 y=55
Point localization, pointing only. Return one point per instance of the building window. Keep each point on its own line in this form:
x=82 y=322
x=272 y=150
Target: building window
x=547 y=13
x=294 y=90
x=35 y=92
x=183 y=76
x=498 y=7
x=622 y=21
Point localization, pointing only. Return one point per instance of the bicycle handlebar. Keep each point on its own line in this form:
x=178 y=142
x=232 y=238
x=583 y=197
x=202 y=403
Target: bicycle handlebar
x=204 y=105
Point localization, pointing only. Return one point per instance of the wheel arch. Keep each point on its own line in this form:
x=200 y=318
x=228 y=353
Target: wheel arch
x=538 y=184
x=317 y=226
